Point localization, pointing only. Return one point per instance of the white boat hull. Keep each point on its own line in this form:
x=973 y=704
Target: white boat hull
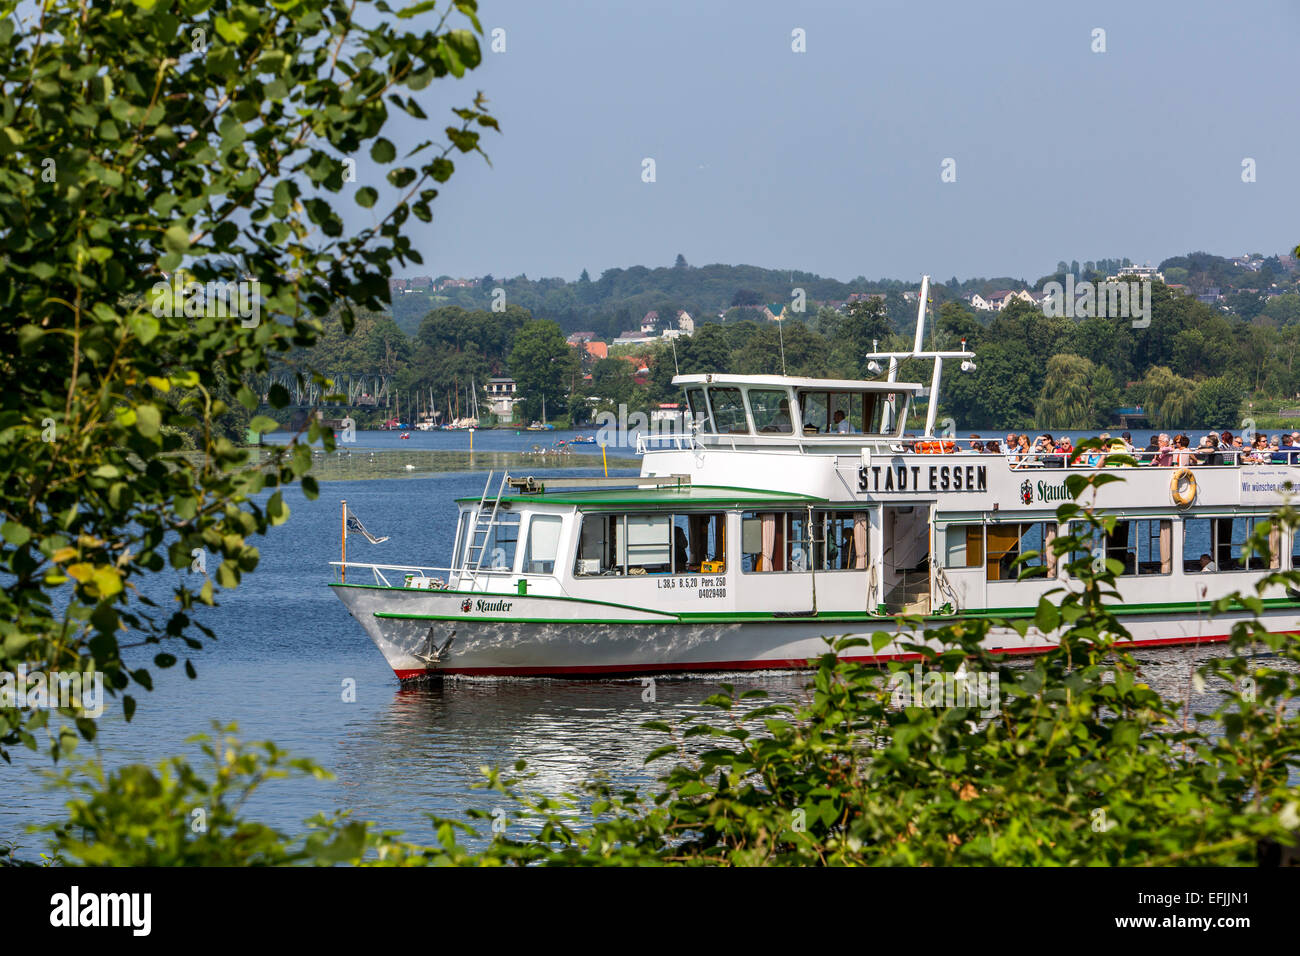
x=430 y=633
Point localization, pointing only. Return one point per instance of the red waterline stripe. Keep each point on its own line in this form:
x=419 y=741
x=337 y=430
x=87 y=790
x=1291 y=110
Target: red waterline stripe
x=781 y=664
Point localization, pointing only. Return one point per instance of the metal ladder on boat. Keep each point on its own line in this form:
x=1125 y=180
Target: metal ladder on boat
x=480 y=534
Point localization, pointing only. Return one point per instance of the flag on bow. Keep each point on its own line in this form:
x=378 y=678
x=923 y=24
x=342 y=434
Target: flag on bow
x=356 y=527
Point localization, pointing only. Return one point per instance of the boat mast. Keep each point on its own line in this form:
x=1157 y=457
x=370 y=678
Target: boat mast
x=917 y=352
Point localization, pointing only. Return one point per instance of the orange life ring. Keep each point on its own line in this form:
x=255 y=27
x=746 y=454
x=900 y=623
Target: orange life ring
x=1183 y=498
x=936 y=447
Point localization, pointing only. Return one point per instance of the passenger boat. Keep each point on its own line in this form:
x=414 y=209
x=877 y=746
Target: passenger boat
x=747 y=542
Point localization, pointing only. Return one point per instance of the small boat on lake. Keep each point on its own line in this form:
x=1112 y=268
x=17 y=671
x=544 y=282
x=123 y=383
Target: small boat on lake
x=798 y=509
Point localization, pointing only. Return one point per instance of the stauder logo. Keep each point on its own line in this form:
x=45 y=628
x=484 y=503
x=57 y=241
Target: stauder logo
x=1027 y=491
x=1048 y=492
x=467 y=605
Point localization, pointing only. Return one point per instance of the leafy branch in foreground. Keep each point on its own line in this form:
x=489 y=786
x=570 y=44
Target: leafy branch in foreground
x=1075 y=760
x=142 y=143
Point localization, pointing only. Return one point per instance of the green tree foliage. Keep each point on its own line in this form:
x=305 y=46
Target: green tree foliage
x=127 y=153
x=543 y=366
x=850 y=335
x=1076 y=394
x=1169 y=399
x=998 y=394
x=1218 y=402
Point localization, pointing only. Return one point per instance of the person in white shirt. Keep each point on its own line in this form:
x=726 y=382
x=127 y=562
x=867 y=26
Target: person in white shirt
x=1208 y=565
x=841 y=423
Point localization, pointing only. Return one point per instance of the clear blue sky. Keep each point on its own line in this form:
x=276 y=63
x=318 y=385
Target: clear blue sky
x=829 y=160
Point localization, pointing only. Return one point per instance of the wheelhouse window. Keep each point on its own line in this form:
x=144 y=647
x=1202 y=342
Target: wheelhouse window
x=500 y=543
x=1144 y=546
x=654 y=543
x=728 y=411
x=543 y=544
x=882 y=412
x=831 y=413
x=1223 y=544
x=1006 y=543
x=699 y=409
x=771 y=410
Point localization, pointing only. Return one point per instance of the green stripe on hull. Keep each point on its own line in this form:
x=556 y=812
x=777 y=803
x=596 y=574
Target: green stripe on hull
x=743 y=617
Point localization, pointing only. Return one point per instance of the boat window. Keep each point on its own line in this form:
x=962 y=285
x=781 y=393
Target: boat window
x=1221 y=544
x=812 y=407
x=698 y=544
x=964 y=546
x=543 y=543
x=499 y=544
x=771 y=410
x=728 y=411
x=846 y=412
x=599 y=546
x=1142 y=546
x=843 y=544
x=1007 y=542
x=774 y=541
x=882 y=411
x=649 y=544
x=830 y=413
x=699 y=410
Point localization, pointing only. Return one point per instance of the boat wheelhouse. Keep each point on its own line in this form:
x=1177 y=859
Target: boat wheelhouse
x=797 y=510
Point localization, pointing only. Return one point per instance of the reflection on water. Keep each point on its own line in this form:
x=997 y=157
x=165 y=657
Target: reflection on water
x=429 y=743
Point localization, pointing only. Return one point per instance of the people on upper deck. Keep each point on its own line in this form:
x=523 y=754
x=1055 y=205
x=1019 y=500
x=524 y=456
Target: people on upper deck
x=1180 y=451
x=1164 y=456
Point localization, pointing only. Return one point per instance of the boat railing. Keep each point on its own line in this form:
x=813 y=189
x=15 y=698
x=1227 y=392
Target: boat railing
x=672 y=441
x=410 y=575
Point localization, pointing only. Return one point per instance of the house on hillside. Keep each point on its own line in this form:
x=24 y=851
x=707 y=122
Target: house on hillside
x=632 y=338
x=1002 y=298
x=679 y=324
x=1140 y=273
x=501 y=398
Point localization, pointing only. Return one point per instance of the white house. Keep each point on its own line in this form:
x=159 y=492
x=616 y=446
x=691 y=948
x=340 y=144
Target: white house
x=501 y=397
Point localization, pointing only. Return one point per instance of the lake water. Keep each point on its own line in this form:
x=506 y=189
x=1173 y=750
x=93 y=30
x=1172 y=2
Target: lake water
x=287 y=646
